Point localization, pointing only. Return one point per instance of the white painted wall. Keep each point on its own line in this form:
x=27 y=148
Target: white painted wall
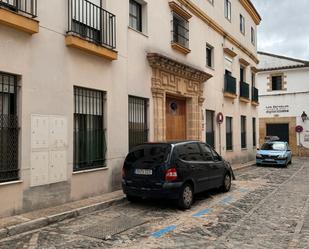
x=293 y=101
x=49 y=70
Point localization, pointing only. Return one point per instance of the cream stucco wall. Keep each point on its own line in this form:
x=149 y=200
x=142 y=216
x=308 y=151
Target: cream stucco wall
x=48 y=71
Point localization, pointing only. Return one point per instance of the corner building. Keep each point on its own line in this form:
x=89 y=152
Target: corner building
x=82 y=81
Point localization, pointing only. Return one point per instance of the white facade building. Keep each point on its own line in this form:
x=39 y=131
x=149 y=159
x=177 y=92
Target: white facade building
x=284 y=98
x=83 y=81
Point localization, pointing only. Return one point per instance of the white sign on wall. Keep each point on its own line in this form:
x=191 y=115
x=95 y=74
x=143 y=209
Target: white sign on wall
x=275 y=109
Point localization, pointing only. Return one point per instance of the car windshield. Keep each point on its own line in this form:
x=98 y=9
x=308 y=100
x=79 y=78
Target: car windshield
x=150 y=153
x=274 y=146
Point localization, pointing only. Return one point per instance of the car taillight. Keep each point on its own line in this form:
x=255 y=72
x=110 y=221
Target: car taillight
x=171 y=175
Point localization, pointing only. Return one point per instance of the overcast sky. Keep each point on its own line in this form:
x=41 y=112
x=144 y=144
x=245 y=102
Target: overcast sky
x=285 y=27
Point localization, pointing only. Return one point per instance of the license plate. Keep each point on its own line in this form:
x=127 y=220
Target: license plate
x=145 y=172
x=269 y=160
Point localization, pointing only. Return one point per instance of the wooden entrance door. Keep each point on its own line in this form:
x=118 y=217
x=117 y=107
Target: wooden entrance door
x=175 y=119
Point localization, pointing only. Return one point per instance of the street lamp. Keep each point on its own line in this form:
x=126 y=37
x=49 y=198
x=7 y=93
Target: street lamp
x=304 y=116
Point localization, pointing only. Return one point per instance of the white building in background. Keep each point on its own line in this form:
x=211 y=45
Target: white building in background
x=80 y=87
x=283 y=83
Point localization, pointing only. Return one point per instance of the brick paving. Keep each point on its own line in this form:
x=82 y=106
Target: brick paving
x=267 y=207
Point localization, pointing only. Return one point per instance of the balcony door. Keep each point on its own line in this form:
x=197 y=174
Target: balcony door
x=175 y=119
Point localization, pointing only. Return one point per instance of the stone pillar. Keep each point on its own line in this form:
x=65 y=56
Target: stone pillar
x=159 y=114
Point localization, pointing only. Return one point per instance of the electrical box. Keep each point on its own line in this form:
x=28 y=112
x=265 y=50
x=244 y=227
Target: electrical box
x=49 y=139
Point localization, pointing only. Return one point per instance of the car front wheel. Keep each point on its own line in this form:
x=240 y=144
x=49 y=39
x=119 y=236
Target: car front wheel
x=186 y=196
x=227 y=182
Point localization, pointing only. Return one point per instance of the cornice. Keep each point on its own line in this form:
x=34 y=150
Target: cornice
x=249 y=7
x=215 y=26
x=167 y=64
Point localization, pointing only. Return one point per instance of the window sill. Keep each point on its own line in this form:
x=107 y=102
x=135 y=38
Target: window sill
x=180 y=48
x=89 y=170
x=139 y=32
x=11 y=183
x=229 y=151
x=211 y=68
x=244 y=149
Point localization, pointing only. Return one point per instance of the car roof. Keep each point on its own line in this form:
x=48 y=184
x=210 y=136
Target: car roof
x=172 y=142
x=275 y=142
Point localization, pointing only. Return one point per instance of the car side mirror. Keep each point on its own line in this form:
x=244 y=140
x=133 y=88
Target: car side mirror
x=289 y=150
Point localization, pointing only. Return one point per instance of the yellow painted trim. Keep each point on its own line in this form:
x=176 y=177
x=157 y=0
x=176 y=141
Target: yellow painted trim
x=229 y=52
x=19 y=22
x=89 y=47
x=255 y=103
x=204 y=17
x=180 y=11
x=245 y=100
x=251 y=10
x=230 y=95
x=180 y=48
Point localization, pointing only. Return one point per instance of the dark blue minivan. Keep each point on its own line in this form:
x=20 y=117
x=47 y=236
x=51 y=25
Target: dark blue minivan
x=174 y=170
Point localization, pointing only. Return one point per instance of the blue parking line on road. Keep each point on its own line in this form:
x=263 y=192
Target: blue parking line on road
x=244 y=190
x=226 y=200
x=202 y=212
x=163 y=231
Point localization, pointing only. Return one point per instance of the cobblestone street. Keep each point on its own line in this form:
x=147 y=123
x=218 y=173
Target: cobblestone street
x=267 y=207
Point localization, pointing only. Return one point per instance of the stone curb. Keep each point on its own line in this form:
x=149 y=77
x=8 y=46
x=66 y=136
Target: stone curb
x=51 y=219
x=243 y=166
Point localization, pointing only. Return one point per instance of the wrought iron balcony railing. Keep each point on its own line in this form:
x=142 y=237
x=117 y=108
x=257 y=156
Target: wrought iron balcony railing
x=92 y=23
x=255 y=95
x=229 y=84
x=28 y=7
x=244 y=90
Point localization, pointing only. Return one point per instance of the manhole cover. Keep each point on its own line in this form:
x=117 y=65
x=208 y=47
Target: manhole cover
x=112 y=227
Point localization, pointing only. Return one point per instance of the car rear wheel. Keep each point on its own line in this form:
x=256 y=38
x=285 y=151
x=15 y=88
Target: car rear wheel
x=290 y=161
x=227 y=182
x=186 y=196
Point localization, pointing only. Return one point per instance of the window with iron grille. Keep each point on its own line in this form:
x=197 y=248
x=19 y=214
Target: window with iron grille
x=209 y=56
x=227 y=9
x=252 y=36
x=180 y=30
x=254 y=131
x=27 y=7
x=242 y=24
x=210 y=128
x=89 y=132
x=8 y=128
x=243 y=124
x=229 y=133
x=135 y=15
x=138 y=124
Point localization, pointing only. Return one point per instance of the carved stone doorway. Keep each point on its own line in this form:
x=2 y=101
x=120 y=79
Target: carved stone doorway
x=172 y=78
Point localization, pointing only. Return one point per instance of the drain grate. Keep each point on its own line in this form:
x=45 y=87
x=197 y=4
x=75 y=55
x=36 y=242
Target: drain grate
x=112 y=227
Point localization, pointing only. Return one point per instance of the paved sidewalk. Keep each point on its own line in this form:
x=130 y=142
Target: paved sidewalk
x=17 y=224
x=36 y=219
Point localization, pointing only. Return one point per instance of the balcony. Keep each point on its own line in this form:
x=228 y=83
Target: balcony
x=255 y=96
x=230 y=87
x=91 y=29
x=244 y=92
x=19 y=14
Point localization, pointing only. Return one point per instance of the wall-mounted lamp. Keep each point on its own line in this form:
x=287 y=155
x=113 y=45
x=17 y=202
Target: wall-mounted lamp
x=304 y=116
